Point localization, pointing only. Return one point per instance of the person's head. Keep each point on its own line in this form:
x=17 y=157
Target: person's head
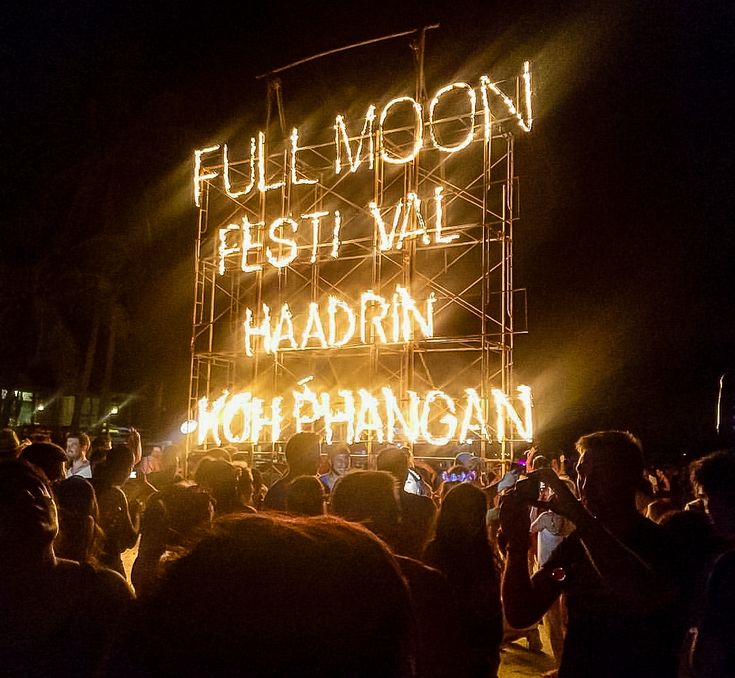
x=658 y=508
x=9 y=444
x=258 y=486
x=231 y=450
x=462 y=515
x=189 y=512
x=260 y=592
x=76 y=494
x=219 y=453
x=78 y=519
x=609 y=471
x=305 y=496
x=339 y=459
x=40 y=437
x=77 y=446
x=118 y=465
x=303 y=454
x=540 y=462
x=98 y=450
x=28 y=518
x=101 y=442
x=50 y=458
x=219 y=478
x=370 y=498
x=96 y=459
x=170 y=457
x=395 y=461
x=427 y=473
x=244 y=482
x=713 y=477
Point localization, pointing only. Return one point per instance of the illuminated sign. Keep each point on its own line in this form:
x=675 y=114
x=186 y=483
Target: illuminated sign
x=255 y=243
x=373 y=139
x=435 y=418
x=376 y=319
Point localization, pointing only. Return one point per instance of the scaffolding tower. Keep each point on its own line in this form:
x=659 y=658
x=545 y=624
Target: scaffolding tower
x=477 y=308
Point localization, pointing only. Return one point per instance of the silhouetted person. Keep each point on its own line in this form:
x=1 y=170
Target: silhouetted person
x=100 y=443
x=259 y=489
x=550 y=529
x=137 y=490
x=302 y=455
x=615 y=568
x=371 y=498
x=245 y=486
x=118 y=523
x=220 y=479
x=168 y=473
x=56 y=616
x=80 y=537
x=462 y=551
x=271 y=595
x=417 y=512
x=305 y=497
x=50 y=458
x=709 y=651
x=173 y=519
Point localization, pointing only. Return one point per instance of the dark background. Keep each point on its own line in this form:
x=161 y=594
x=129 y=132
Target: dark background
x=625 y=240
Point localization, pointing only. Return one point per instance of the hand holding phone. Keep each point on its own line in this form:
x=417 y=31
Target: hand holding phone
x=563 y=501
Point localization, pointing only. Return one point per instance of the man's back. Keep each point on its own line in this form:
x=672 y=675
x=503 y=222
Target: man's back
x=63 y=622
x=618 y=568
x=275 y=498
x=417 y=519
x=605 y=637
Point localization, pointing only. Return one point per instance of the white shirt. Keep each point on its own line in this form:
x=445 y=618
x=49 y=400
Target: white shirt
x=84 y=470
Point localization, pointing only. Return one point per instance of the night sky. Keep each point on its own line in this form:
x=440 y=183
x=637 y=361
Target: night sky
x=624 y=245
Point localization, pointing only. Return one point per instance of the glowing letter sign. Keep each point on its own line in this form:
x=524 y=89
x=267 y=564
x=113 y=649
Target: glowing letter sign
x=298 y=233
x=363 y=416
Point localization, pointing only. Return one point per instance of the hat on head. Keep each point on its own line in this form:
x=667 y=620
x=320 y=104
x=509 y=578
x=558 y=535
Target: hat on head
x=467 y=459
x=508 y=481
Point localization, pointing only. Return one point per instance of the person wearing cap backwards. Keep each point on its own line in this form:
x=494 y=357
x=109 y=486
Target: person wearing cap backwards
x=614 y=568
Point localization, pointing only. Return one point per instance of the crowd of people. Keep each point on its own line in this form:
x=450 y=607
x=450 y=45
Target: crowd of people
x=318 y=568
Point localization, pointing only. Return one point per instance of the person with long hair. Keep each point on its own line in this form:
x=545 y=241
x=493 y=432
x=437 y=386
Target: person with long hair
x=267 y=594
x=462 y=551
x=80 y=537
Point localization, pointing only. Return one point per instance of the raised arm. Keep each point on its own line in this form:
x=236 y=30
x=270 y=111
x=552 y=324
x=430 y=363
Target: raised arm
x=634 y=580
x=525 y=599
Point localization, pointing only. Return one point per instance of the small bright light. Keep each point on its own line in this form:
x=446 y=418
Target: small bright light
x=188 y=426
x=41 y=407
x=114 y=409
